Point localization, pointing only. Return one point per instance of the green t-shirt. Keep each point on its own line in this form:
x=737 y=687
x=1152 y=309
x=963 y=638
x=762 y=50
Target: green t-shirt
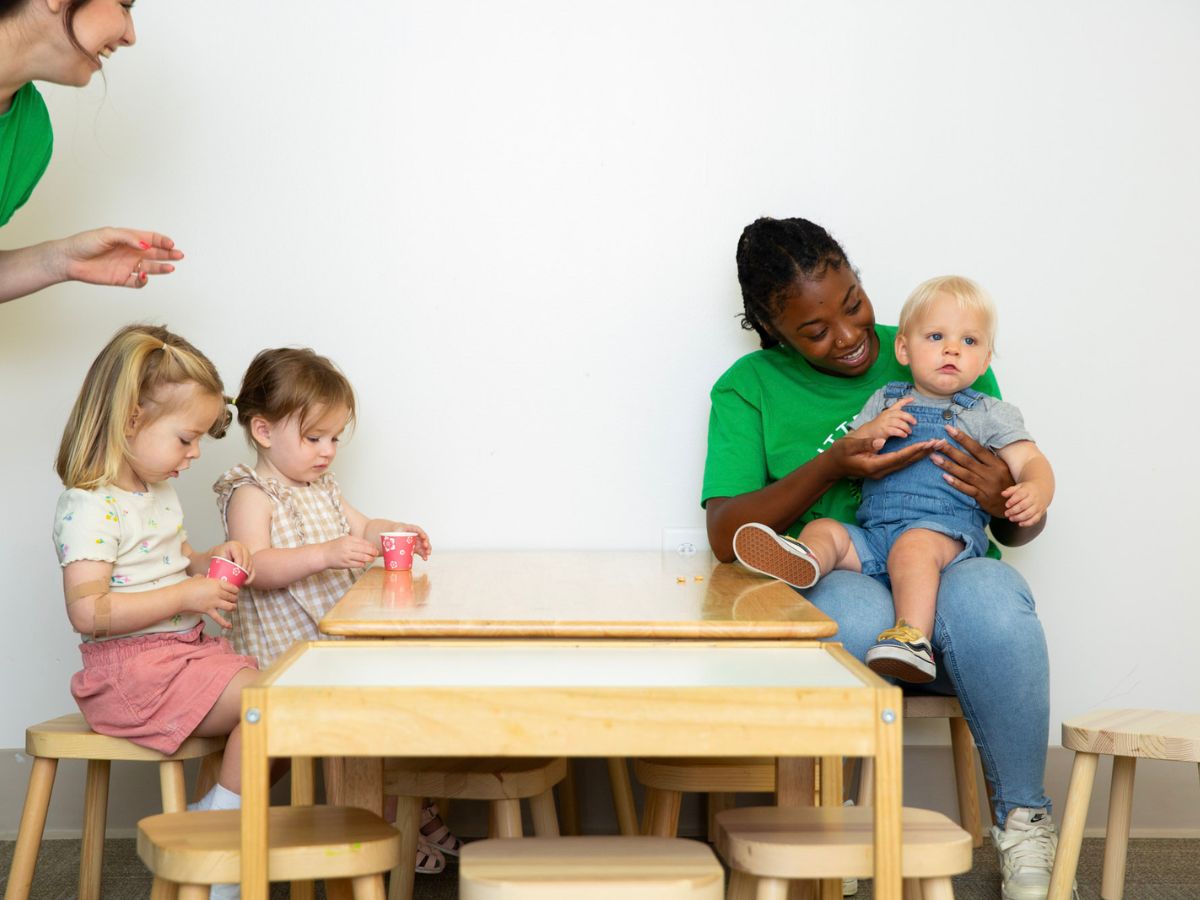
x=772 y=412
x=26 y=141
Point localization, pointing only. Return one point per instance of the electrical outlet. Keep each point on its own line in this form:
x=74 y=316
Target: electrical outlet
x=684 y=542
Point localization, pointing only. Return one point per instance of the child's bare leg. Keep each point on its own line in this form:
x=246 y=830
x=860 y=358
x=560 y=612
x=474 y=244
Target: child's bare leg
x=830 y=543
x=225 y=718
x=915 y=566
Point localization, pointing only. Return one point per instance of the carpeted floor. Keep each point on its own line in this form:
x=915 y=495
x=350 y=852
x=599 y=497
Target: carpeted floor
x=1157 y=870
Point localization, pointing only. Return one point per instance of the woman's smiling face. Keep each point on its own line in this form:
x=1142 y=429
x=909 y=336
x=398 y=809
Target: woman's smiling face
x=830 y=322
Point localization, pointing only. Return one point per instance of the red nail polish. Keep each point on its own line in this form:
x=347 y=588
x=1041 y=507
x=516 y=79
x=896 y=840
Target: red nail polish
x=143 y=245
x=143 y=276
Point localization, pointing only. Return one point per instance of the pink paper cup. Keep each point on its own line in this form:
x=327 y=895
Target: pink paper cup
x=398 y=549
x=224 y=569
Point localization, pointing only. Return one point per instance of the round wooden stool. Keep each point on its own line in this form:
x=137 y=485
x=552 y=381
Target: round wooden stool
x=503 y=783
x=1125 y=735
x=589 y=868
x=195 y=850
x=667 y=780
x=767 y=846
x=69 y=737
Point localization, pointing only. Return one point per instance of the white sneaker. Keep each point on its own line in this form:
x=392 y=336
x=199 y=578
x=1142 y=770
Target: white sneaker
x=1026 y=845
x=849 y=885
x=225 y=892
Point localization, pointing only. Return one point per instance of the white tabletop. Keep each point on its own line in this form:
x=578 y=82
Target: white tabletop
x=557 y=665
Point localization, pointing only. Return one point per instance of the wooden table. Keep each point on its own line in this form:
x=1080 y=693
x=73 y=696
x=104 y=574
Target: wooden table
x=562 y=698
x=594 y=594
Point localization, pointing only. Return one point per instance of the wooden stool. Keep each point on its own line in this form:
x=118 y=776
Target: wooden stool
x=962 y=744
x=69 y=737
x=667 y=780
x=1125 y=735
x=767 y=846
x=504 y=783
x=341 y=844
x=589 y=868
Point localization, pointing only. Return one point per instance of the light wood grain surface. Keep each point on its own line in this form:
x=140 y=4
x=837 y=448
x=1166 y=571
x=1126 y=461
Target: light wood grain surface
x=593 y=594
x=1150 y=733
x=563 y=698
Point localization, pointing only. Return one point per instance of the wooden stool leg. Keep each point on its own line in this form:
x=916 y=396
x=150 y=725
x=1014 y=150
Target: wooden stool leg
x=210 y=769
x=866 y=782
x=795 y=781
x=568 y=798
x=831 y=889
x=1116 y=837
x=506 y=814
x=622 y=792
x=911 y=889
x=339 y=889
x=304 y=793
x=173 y=786
x=95 y=813
x=187 y=892
x=771 y=889
x=661 y=815
x=742 y=886
x=832 y=787
x=545 y=816
x=937 y=889
x=368 y=887
x=963 y=747
x=408 y=823
x=1083 y=774
x=717 y=804
x=33 y=823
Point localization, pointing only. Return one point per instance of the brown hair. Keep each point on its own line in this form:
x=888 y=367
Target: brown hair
x=127 y=376
x=282 y=382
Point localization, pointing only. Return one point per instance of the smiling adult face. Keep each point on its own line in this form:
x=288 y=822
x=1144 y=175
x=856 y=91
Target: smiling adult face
x=829 y=321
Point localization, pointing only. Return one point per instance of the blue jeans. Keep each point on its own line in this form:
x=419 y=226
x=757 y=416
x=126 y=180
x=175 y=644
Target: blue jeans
x=991 y=653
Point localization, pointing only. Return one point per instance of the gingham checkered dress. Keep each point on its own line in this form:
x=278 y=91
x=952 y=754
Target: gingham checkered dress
x=266 y=623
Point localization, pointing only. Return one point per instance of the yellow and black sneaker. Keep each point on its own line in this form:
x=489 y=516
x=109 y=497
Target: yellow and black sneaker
x=903 y=652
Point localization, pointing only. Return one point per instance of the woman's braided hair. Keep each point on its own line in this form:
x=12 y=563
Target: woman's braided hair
x=772 y=255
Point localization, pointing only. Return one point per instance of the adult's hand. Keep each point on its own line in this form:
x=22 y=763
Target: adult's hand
x=978 y=472
x=122 y=257
x=856 y=457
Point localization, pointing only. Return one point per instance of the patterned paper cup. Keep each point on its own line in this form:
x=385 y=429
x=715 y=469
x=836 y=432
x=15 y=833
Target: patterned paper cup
x=224 y=569
x=398 y=549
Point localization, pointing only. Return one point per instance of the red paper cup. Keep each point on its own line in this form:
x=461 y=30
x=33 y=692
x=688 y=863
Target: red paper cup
x=224 y=569
x=398 y=549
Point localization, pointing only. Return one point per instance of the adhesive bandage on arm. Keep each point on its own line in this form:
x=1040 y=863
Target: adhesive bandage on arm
x=102 y=612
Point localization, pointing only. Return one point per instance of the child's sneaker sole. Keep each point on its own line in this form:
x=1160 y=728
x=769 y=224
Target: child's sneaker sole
x=899 y=662
x=761 y=550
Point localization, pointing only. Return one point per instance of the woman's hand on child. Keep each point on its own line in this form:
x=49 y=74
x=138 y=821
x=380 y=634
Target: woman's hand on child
x=1026 y=504
x=210 y=597
x=978 y=472
x=859 y=457
x=349 y=552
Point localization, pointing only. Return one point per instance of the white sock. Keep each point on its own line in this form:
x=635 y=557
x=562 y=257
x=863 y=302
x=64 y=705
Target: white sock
x=223 y=798
x=204 y=802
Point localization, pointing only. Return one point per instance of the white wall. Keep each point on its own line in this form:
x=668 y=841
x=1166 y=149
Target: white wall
x=513 y=225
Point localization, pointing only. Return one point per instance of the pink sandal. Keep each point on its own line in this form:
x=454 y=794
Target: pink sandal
x=435 y=833
x=429 y=858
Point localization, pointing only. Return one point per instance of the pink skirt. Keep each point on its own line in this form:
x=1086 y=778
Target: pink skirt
x=154 y=689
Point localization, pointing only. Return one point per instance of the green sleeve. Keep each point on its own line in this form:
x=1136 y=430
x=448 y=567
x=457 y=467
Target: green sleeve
x=987 y=384
x=736 y=461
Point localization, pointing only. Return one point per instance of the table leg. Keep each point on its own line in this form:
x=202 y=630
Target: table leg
x=889 y=792
x=255 y=799
x=364 y=783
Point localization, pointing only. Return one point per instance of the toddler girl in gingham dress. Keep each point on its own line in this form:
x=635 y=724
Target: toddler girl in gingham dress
x=309 y=544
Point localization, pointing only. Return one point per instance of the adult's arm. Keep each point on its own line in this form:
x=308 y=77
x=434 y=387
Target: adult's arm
x=121 y=257
x=981 y=474
x=782 y=502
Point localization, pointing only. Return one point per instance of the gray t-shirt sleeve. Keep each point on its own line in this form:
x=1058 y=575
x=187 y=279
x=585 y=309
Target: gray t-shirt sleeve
x=872 y=408
x=1001 y=425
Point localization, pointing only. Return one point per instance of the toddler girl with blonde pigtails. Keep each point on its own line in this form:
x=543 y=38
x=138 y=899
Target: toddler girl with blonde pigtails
x=309 y=544
x=135 y=588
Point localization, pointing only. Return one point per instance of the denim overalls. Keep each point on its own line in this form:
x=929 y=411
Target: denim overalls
x=917 y=496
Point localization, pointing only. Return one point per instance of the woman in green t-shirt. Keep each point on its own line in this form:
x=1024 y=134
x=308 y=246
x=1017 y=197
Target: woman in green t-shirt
x=64 y=42
x=778 y=454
